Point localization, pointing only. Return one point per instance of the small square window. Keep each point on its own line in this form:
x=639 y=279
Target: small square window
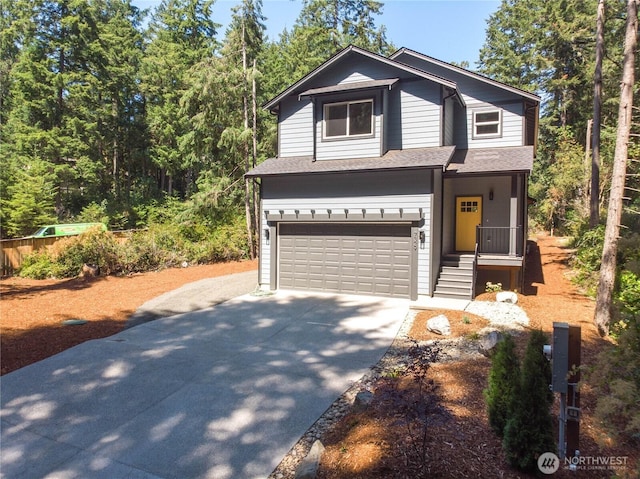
x=487 y=123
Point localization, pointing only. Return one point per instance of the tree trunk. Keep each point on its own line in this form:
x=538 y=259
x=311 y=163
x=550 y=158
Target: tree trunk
x=614 y=216
x=587 y=166
x=247 y=162
x=254 y=189
x=594 y=204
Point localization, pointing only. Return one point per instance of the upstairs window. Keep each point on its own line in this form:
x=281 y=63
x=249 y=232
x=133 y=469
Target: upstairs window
x=487 y=123
x=347 y=119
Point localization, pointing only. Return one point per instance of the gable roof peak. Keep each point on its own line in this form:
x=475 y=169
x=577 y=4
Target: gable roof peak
x=272 y=105
x=519 y=91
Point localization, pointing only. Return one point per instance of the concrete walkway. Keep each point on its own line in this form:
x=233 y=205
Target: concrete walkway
x=219 y=393
x=195 y=296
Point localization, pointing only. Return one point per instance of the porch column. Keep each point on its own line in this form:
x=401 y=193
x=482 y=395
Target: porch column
x=513 y=216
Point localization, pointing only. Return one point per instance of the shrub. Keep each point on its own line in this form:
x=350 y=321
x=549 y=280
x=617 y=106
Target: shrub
x=504 y=378
x=616 y=376
x=37 y=265
x=529 y=431
x=159 y=246
x=95 y=247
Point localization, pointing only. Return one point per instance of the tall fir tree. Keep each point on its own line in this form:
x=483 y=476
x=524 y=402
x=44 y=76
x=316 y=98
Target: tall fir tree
x=181 y=34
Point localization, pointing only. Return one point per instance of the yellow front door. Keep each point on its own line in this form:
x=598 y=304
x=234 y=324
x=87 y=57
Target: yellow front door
x=468 y=216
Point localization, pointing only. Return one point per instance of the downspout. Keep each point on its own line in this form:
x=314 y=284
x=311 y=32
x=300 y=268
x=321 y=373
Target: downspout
x=315 y=127
x=260 y=232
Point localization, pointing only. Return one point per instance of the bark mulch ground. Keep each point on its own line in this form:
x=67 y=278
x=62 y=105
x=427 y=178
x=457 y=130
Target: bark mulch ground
x=32 y=312
x=376 y=444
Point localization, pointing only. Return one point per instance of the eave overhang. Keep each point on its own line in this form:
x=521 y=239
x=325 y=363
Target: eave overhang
x=417 y=158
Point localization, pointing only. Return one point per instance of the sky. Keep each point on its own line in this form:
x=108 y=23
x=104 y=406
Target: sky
x=448 y=30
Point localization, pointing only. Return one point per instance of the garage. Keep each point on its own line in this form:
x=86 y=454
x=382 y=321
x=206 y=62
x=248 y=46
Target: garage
x=373 y=259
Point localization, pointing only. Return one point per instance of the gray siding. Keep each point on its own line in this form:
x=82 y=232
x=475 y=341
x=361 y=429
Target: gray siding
x=512 y=132
x=415 y=115
x=449 y=125
x=295 y=128
x=389 y=191
x=479 y=94
x=345 y=148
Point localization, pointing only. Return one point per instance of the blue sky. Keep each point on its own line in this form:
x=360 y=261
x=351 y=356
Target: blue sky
x=449 y=30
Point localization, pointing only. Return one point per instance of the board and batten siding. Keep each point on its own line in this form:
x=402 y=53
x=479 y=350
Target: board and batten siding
x=414 y=115
x=295 y=128
x=370 y=191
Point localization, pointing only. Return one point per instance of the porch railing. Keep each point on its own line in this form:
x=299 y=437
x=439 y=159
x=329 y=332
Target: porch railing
x=498 y=239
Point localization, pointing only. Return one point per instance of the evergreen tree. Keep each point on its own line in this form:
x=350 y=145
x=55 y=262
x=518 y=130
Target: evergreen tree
x=529 y=430
x=326 y=26
x=31 y=197
x=181 y=34
x=504 y=379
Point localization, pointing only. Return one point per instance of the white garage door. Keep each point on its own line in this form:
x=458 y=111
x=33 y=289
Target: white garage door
x=370 y=259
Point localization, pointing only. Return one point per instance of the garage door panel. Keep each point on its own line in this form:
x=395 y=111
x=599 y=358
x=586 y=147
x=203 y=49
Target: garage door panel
x=347 y=258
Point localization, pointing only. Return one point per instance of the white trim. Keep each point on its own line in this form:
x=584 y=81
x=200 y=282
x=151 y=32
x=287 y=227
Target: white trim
x=475 y=123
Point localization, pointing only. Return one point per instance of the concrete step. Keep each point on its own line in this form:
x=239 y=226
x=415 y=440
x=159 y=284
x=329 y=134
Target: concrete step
x=449 y=283
x=447 y=295
x=462 y=289
x=448 y=270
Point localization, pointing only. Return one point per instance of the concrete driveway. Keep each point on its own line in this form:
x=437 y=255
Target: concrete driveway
x=219 y=393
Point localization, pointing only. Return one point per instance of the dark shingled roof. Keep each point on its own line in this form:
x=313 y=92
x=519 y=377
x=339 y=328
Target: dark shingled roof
x=394 y=159
x=491 y=160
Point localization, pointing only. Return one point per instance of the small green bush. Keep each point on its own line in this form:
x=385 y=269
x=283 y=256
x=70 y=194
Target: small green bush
x=529 y=431
x=38 y=265
x=94 y=247
x=504 y=378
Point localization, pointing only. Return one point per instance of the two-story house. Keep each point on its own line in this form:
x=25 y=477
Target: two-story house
x=401 y=176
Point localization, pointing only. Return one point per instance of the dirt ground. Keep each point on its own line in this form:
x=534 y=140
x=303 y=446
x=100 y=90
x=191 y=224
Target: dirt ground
x=32 y=311
x=460 y=443
x=363 y=445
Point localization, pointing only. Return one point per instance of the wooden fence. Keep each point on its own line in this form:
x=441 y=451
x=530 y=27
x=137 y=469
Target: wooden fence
x=13 y=251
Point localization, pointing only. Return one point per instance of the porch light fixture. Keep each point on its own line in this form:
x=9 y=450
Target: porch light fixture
x=266 y=235
x=491 y=194
x=422 y=238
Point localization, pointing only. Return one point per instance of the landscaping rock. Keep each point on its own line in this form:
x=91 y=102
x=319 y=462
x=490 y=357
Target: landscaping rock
x=90 y=271
x=507 y=297
x=308 y=468
x=489 y=342
x=362 y=401
x=439 y=325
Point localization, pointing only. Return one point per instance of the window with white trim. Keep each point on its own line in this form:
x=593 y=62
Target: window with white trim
x=348 y=119
x=487 y=123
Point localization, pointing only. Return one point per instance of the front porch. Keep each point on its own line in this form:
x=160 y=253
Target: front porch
x=498 y=258
x=485 y=229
